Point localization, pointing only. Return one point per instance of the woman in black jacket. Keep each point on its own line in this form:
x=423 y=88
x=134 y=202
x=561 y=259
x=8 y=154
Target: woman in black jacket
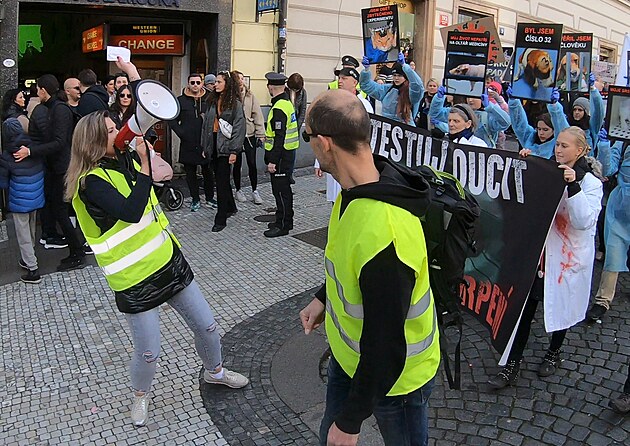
x=138 y=253
x=222 y=137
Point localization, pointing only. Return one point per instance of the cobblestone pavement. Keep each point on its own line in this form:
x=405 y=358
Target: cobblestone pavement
x=63 y=373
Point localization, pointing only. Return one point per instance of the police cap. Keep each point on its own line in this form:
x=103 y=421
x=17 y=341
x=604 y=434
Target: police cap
x=275 y=78
x=349 y=61
x=347 y=71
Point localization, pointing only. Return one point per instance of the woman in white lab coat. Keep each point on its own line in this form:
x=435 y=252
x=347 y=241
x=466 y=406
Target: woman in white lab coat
x=563 y=281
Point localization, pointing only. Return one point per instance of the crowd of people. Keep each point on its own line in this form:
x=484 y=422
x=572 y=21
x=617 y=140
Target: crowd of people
x=61 y=151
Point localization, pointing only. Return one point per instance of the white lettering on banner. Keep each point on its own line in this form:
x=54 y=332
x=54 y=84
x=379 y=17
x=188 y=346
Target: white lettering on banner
x=493 y=174
x=384 y=139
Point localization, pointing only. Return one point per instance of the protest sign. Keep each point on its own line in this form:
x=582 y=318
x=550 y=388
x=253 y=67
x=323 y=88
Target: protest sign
x=485 y=24
x=618 y=112
x=518 y=199
x=536 y=60
x=380 y=33
x=497 y=71
x=605 y=72
x=466 y=60
x=574 y=67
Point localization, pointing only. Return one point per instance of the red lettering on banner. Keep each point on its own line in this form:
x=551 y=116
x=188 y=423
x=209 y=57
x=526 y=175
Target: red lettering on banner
x=477 y=294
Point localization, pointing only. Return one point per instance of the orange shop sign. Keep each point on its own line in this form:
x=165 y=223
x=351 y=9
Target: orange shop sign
x=164 y=45
x=164 y=39
x=93 y=39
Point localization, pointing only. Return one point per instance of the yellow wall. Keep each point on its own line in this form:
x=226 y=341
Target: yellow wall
x=253 y=46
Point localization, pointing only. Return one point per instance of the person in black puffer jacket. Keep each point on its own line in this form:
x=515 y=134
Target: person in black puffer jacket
x=54 y=148
x=13 y=106
x=187 y=126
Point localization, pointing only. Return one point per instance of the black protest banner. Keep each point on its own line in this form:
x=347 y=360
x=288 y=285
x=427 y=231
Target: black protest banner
x=574 y=67
x=536 y=60
x=618 y=112
x=518 y=199
x=466 y=61
x=380 y=33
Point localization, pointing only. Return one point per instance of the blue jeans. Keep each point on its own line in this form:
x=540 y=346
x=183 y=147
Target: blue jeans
x=403 y=420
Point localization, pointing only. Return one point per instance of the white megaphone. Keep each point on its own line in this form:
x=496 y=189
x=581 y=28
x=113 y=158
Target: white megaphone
x=155 y=102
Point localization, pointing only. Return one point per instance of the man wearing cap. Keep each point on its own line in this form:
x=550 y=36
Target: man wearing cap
x=346 y=62
x=209 y=81
x=282 y=138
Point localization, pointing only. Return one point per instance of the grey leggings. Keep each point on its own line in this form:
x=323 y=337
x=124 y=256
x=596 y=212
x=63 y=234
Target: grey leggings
x=145 y=331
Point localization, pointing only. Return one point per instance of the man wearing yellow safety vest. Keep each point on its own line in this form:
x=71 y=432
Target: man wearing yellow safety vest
x=281 y=140
x=346 y=62
x=377 y=303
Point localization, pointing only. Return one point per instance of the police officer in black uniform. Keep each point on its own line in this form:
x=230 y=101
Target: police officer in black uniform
x=282 y=139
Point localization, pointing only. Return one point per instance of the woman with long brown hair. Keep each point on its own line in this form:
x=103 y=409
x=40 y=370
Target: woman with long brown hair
x=137 y=251
x=222 y=136
x=401 y=99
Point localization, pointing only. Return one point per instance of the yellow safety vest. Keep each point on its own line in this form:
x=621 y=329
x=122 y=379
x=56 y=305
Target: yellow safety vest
x=292 y=137
x=351 y=244
x=127 y=253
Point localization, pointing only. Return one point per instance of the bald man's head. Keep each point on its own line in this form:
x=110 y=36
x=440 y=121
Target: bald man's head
x=340 y=115
x=73 y=91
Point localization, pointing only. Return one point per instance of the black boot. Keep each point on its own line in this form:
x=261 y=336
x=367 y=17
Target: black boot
x=550 y=363
x=507 y=376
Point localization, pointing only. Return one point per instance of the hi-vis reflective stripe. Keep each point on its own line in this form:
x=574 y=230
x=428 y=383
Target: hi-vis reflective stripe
x=290 y=139
x=420 y=347
x=412 y=349
x=124 y=235
x=137 y=255
x=353 y=310
x=354 y=345
x=356 y=310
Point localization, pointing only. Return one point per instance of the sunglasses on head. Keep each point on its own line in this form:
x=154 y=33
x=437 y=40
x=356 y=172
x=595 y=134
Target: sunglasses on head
x=195 y=82
x=307 y=136
x=125 y=95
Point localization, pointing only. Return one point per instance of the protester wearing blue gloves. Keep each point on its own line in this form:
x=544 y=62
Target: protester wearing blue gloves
x=490 y=117
x=615 y=159
x=401 y=100
x=589 y=114
x=539 y=141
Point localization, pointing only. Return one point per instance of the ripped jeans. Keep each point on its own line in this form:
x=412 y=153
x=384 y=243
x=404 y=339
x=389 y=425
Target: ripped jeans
x=145 y=331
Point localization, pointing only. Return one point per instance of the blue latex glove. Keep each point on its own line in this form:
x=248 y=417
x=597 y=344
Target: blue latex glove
x=365 y=62
x=555 y=95
x=509 y=92
x=484 y=100
x=401 y=58
x=591 y=80
x=441 y=91
x=603 y=135
x=434 y=121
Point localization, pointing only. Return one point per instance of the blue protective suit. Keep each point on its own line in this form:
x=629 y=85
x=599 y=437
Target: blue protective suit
x=526 y=134
x=491 y=121
x=617 y=223
x=388 y=95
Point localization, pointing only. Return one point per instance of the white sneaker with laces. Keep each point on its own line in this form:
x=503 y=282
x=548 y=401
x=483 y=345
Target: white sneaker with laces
x=140 y=410
x=240 y=196
x=231 y=379
x=256 y=197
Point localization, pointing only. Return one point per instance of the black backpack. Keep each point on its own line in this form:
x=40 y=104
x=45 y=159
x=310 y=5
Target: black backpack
x=449 y=231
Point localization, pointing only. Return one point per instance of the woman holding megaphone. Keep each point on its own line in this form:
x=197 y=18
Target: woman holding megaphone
x=135 y=247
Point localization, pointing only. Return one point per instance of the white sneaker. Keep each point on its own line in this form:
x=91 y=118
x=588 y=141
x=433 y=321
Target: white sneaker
x=240 y=196
x=140 y=410
x=230 y=379
x=256 y=197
